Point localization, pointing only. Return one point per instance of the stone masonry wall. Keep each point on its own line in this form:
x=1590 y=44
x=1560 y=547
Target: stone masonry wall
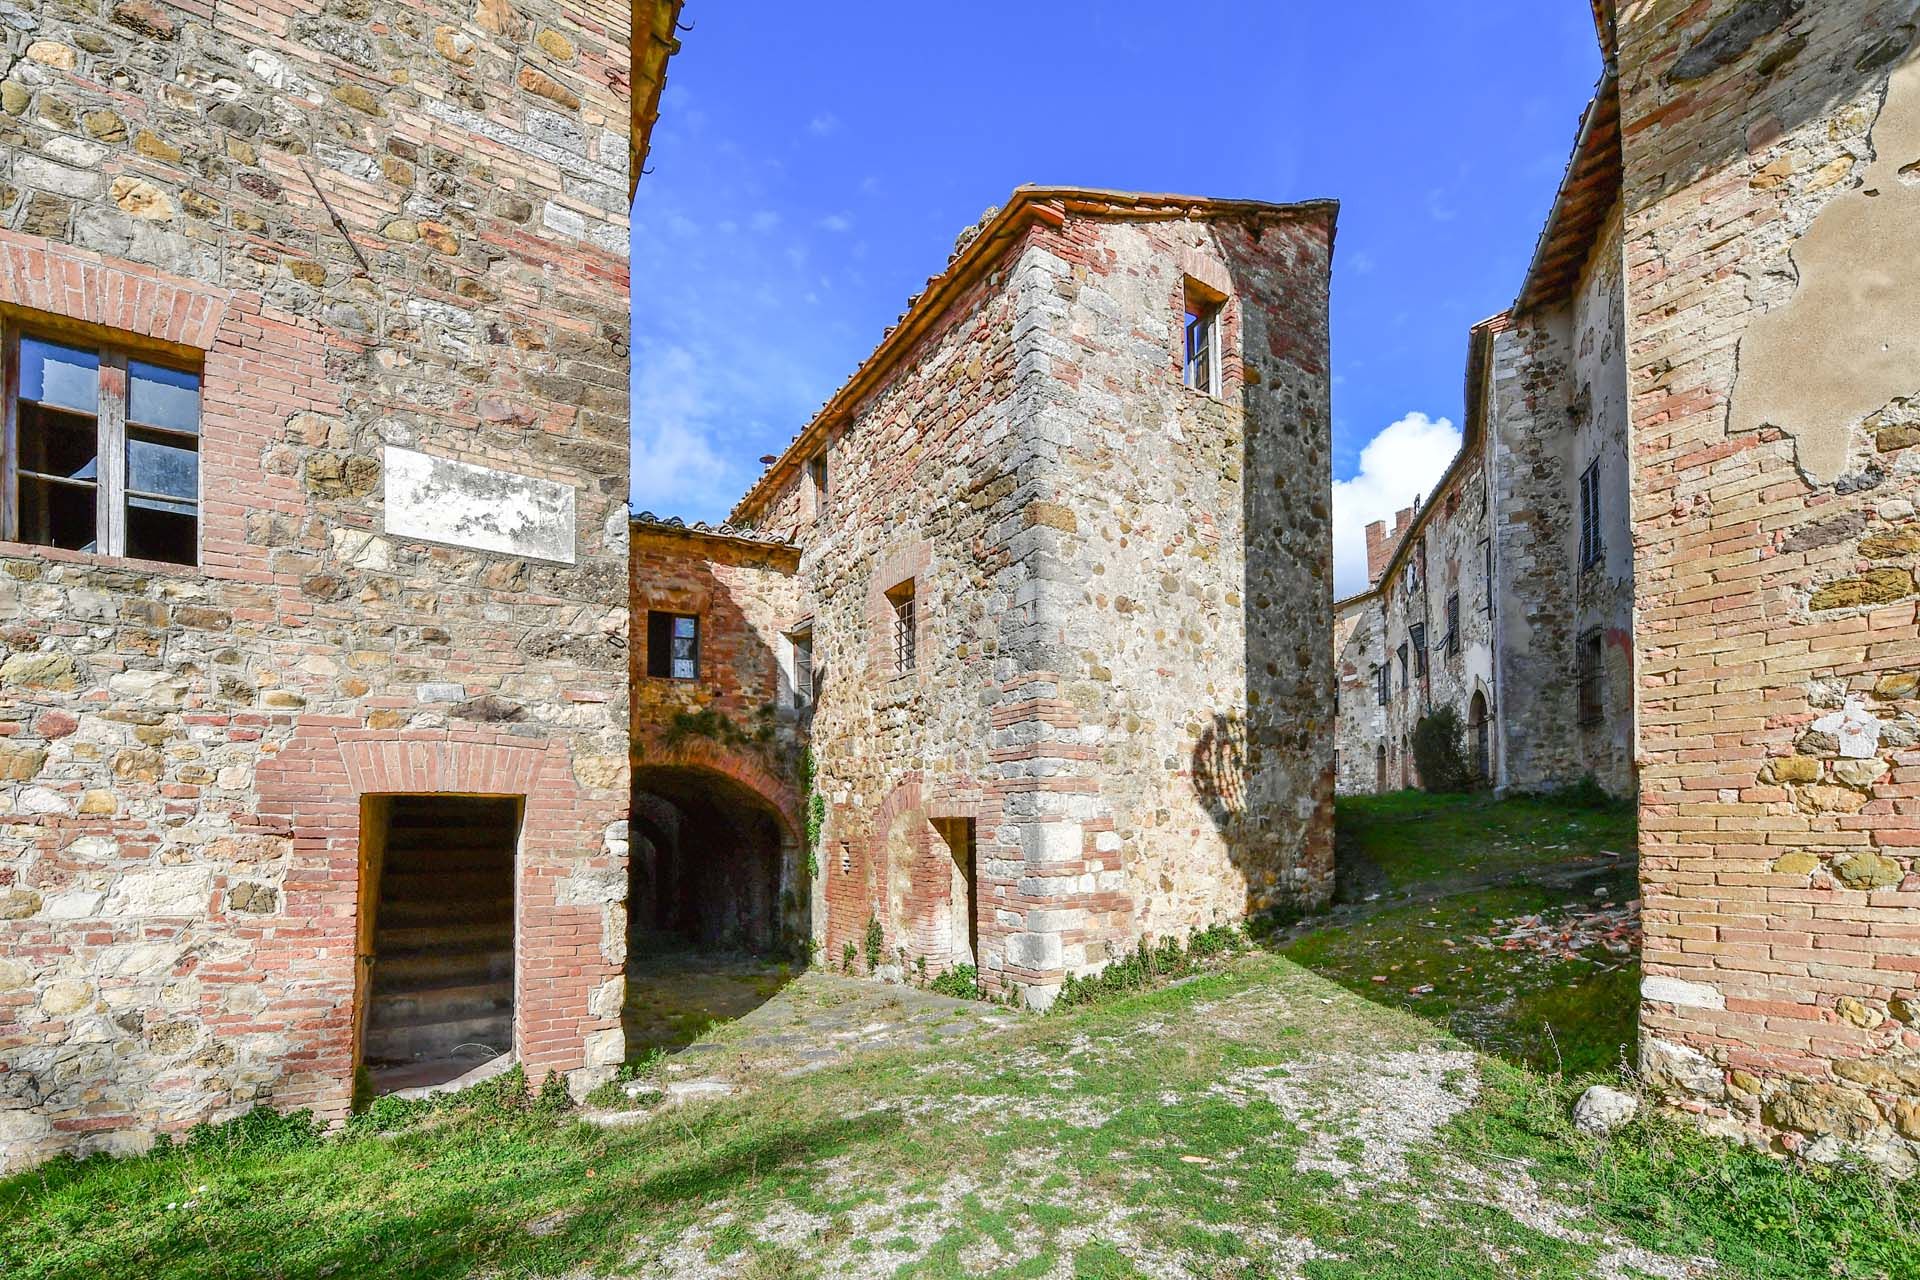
x=1771 y=168
x=183 y=748
x=1361 y=722
x=997 y=466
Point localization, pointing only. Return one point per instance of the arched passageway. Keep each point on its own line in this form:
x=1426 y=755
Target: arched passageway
x=715 y=905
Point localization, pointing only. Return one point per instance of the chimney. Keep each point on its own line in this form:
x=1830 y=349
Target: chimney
x=1379 y=550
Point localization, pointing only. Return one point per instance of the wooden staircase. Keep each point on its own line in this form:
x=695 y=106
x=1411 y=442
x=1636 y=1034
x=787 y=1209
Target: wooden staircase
x=441 y=994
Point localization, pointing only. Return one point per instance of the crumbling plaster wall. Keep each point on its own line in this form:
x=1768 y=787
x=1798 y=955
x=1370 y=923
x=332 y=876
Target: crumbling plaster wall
x=1778 y=643
x=184 y=746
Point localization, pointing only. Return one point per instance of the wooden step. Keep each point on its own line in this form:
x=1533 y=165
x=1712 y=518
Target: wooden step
x=426 y=1006
x=392 y=938
x=445 y=886
x=440 y=966
x=412 y=1041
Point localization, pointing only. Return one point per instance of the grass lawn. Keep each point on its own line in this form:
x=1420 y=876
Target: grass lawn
x=1425 y=882
x=1256 y=1121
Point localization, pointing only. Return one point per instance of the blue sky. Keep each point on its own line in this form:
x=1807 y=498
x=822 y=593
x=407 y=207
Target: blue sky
x=813 y=164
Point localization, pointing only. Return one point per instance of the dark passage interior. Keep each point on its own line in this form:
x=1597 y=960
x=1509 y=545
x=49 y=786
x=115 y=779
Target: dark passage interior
x=439 y=999
x=707 y=917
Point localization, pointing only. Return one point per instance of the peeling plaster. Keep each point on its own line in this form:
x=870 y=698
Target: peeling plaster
x=1848 y=341
x=465 y=505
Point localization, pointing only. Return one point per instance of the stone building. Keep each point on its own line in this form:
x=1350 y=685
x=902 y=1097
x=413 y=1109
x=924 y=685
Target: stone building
x=1508 y=594
x=1771 y=177
x=1040 y=591
x=313 y=706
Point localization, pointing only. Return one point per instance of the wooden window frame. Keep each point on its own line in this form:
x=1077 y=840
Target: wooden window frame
x=1453 y=625
x=1205 y=310
x=1592 y=546
x=804 y=693
x=666 y=654
x=110 y=438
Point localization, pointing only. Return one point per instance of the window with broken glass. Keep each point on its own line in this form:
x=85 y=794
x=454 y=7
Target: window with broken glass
x=673 y=646
x=803 y=679
x=1417 y=633
x=102 y=450
x=1202 y=328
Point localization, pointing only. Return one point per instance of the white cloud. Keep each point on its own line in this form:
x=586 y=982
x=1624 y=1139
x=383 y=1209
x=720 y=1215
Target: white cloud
x=823 y=124
x=1403 y=462
x=836 y=222
x=764 y=220
x=675 y=468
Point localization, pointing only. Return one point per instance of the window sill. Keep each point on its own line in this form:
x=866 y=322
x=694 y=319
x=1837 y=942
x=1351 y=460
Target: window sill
x=59 y=555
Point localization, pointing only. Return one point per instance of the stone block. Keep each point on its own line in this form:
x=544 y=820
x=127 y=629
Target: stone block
x=1050 y=843
x=1677 y=991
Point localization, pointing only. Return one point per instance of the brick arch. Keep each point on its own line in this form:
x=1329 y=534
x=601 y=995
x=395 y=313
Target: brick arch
x=77 y=285
x=311 y=791
x=703 y=755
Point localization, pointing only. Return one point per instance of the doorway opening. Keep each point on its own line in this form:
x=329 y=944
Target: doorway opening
x=436 y=936
x=713 y=905
x=963 y=928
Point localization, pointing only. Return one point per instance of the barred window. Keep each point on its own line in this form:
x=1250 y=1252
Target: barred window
x=1592 y=673
x=103 y=451
x=904 y=639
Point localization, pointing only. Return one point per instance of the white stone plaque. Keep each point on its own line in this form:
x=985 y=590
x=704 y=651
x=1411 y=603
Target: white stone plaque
x=464 y=505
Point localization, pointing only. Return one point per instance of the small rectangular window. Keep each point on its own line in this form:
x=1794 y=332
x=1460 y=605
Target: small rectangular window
x=1417 y=633
x=1201 y=369
x=1382 y=692
x=1590 y=547
x=1486 y=574
x=1453 y=624
x=817 y=483
x=1592 y=673
x=905 y=642
x=673 y=646
x=105 y=451
x=803 y=680
x=1404 y=671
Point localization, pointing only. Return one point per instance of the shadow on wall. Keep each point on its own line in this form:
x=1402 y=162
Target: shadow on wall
x=1264 y=774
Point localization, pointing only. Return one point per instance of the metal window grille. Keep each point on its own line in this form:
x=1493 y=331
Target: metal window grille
x=904 y=639
x=1590 y=543
x=103 y=451
x=1592 y=672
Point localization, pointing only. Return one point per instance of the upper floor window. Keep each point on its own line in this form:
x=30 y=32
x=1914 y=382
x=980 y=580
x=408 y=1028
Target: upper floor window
x=1486 y=574
x=1417 y=633
x=804 y=690
x=1590 y=546
x=673 y=646
x=817 y=483
x=1403 y=666
x=1202 y=329
x=1453 y=624
x=905 y=642
x=103 y=451
x=1382 y=693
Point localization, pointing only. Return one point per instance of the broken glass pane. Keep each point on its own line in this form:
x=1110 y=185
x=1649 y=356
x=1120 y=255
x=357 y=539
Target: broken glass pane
x=53 y=443
x=159 y=530
x=53 y=514
x=158 y=466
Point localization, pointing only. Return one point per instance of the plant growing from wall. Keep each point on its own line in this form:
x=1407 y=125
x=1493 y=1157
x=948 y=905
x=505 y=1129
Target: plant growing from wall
x=876 y=943
x=848 y=954
x=1439 y=752
x=717 y=726
x=815 y=807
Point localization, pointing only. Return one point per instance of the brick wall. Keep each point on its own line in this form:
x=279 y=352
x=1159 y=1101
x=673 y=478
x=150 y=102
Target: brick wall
x=184 y=747
x=1775 y=545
